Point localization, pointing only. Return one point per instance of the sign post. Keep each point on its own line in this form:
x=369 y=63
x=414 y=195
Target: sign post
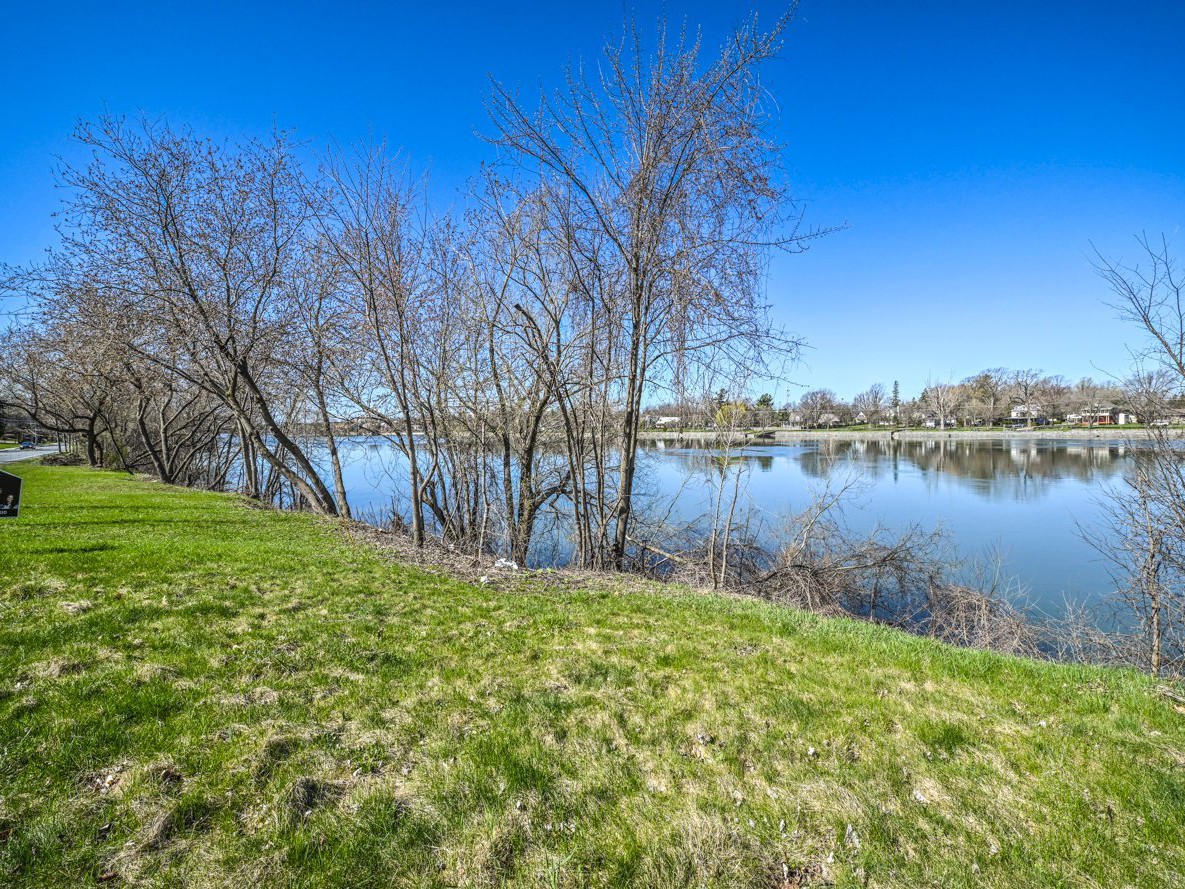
x=10 y=495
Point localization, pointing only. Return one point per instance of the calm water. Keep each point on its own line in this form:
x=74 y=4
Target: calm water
x=1025 y=499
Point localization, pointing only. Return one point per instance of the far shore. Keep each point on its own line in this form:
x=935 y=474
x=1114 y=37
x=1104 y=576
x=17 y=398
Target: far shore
x=1101 y=433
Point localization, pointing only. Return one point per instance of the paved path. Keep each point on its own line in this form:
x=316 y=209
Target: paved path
x=11 y=455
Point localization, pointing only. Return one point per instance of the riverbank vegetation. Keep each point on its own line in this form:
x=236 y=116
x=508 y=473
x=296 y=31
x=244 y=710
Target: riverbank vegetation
x=199 y=691
x=1145 y=540
x=995 y=399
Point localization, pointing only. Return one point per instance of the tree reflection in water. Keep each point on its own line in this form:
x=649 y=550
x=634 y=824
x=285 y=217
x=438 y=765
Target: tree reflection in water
x=1011 y=468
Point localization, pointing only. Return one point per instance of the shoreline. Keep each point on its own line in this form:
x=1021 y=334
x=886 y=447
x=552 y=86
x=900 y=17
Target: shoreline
x=781 y=436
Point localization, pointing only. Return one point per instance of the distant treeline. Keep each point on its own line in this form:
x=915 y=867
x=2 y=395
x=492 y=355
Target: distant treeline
x=991 y=397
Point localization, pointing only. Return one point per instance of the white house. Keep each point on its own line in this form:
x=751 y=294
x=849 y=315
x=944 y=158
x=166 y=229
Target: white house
x=1102 y=415
x=656 y=422
x=1028 y=411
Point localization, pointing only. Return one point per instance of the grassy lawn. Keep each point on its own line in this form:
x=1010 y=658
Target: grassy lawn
x=196 y=692
x=5 y=445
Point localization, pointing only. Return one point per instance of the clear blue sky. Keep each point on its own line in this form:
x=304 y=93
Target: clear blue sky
x=975 y=150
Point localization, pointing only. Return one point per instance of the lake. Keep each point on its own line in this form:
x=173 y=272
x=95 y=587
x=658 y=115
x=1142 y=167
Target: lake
x=1026 y=499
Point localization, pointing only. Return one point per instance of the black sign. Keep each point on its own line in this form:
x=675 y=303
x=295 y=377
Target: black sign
x=10 y=495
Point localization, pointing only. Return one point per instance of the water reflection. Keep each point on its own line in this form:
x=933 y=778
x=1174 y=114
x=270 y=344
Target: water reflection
x=1029 y=499
x=1011 y=468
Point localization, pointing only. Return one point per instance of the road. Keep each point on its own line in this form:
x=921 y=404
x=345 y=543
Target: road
x=11 y=455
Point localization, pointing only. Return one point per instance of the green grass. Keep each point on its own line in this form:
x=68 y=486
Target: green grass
x=195 y=692
x=5 y=445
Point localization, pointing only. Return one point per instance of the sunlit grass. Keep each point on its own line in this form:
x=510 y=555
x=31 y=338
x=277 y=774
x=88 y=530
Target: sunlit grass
x=193 y=691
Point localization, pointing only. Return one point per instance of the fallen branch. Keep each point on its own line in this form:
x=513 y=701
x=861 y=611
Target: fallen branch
x=1170 y=694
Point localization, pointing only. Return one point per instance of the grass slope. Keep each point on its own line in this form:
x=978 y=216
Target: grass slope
x=196 y=692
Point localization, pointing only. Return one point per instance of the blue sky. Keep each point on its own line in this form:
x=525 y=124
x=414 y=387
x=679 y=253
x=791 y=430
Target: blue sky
x=974 y=150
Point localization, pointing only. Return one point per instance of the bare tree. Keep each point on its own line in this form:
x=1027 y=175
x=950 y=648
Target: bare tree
x=1057 y=397
x=60 y=379
x=1151 y=296
x=366 y=219
x=1148 y=522
x=1088 y=399
x=672 y=193
x=872 y=402
x=1144 y=550
x=195 y=242
x=944 y=400
x=128 y=412
x=990 y=388
x=321 y=343
x=1027 y=387
x=1149 y=393
x=817 y=405
x=518 y=318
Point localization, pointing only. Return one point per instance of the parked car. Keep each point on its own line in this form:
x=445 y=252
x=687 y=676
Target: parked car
x=27 y=445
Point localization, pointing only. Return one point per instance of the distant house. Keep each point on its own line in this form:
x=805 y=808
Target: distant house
x=1102 y=415
x=1030 y=411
